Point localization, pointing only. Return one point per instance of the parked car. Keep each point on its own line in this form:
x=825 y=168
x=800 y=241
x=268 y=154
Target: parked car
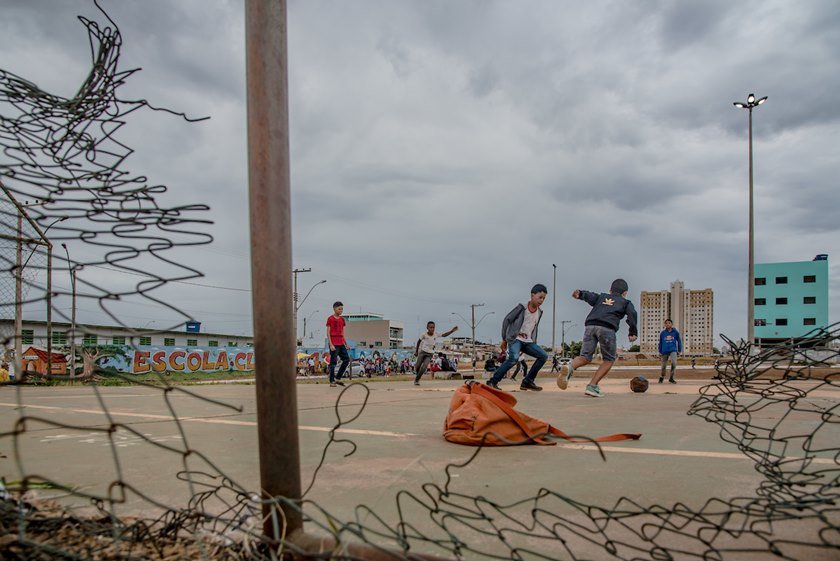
x=356 y=369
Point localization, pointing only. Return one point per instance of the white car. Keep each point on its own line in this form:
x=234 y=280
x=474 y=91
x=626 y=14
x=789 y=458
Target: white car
x=356 y=369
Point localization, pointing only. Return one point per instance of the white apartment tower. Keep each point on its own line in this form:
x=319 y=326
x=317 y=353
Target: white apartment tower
x=692 y=312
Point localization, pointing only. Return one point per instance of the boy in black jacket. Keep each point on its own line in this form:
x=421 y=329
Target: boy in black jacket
x=601 y=327
x=519 y=334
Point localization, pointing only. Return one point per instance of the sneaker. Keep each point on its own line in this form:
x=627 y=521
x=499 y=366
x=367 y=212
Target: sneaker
x=332 y=384
x=593 y=391
x=339 y=382
x=564 y=379
x=530 y=386
x=672 y=381
x=416 y=383
x=661 y=380
x=493 y=384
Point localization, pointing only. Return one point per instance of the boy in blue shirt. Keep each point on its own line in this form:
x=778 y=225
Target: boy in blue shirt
x=670 y=345
x=601 y=327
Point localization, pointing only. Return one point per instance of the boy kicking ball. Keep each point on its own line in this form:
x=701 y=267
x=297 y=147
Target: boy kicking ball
x=601 y=327
x=519 y=335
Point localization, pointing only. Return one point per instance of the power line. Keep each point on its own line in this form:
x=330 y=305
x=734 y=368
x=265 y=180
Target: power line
x=167 y=280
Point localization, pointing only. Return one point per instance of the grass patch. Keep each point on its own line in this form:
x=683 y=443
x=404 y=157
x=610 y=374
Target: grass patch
x=168 y=377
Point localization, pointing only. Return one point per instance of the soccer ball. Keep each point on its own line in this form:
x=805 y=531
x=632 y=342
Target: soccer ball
x=639 y=384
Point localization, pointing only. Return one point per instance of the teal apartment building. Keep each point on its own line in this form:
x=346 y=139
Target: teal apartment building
x=791 y=299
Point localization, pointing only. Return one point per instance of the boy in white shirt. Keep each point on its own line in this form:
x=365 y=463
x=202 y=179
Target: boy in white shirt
x=519 y=335
x=425 y=349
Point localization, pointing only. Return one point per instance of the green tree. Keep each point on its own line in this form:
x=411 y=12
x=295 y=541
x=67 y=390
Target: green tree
x=634 y=349
x=572 y=348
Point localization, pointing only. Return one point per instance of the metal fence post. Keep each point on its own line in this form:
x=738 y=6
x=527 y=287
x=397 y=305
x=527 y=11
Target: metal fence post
x=271 y=256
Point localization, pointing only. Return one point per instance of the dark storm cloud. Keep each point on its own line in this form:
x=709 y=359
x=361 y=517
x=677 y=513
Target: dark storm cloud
x=456 y=149
x=687 y=23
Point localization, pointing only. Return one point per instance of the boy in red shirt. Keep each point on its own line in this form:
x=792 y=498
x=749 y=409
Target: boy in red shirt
x=338 y=346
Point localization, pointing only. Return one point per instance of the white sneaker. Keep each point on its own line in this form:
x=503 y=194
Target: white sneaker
x=564 y=379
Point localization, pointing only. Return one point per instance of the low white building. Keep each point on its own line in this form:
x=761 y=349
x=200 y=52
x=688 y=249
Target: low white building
x=35 y=333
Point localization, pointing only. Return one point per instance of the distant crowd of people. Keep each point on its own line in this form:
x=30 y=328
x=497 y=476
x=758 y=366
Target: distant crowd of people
x=519 y=338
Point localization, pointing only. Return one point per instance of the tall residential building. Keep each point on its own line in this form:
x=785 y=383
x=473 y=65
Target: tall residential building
x=692 y=312
x=791 y=299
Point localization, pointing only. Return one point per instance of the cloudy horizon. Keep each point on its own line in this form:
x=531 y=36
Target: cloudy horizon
x=445 y=154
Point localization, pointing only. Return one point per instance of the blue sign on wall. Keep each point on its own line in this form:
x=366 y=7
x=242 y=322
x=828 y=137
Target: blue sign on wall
x=193 y=326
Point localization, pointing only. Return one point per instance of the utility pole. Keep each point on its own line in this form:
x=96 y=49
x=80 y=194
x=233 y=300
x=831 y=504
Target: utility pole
x=473 y=324
x=554 y=311
x=295 y=297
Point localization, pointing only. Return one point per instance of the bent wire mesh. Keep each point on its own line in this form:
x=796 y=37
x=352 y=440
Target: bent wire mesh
x=65 y=177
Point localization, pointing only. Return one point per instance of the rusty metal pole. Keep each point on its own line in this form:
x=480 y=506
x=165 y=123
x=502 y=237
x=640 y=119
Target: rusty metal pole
x=20 y=375
x=49 y=309
x=271 y=256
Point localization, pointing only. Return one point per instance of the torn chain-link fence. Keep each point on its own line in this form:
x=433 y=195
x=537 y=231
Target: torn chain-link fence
x=64 y=155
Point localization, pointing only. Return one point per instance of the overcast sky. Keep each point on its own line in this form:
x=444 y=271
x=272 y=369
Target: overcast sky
x=447 y=153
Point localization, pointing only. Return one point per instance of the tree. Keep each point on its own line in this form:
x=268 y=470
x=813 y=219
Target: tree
x=572 y=348
x=634 y=349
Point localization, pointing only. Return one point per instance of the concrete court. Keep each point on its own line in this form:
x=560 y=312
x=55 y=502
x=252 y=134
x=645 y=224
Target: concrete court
x=679 y=458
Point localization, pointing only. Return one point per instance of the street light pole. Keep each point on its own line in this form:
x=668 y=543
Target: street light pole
x=297 y=305
x=304 y=322
x=749 y=105
x=473 y=307
x=554 y=311
x=563 y=335
x=295 y=298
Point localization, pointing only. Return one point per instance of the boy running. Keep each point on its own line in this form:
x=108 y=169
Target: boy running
x=338 y=346
x=425 y=350
x=519 y=335
x=600 y=328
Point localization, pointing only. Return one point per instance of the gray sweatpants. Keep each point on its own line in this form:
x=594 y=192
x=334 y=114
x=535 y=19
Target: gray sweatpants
x=423 y=360
x=672 y=356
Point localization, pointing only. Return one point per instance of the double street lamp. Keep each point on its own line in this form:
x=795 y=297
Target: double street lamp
x=751 y=103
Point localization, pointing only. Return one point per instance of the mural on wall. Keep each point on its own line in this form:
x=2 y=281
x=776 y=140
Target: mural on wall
x=143 y=360
x=359 y=353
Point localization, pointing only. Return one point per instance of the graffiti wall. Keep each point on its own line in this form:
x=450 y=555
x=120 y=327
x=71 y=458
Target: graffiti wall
x=359 y=353
x=143 y=360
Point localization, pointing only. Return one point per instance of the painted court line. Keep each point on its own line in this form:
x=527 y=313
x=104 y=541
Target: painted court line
x=684 y=453
x=211 y=420
x=568 y=446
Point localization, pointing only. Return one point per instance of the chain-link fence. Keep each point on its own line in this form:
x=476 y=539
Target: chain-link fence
x=64 y=154
x=25 y=282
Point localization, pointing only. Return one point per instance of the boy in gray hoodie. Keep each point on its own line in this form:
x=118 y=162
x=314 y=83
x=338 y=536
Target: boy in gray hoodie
x=601 y=327
x=519 y=335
